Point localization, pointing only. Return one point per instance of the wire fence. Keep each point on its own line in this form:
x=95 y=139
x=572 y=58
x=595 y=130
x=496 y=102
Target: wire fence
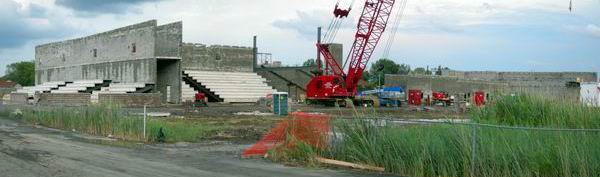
x=476 y=130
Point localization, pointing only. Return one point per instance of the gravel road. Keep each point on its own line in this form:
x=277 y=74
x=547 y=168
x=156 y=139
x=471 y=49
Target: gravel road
x=26 y=151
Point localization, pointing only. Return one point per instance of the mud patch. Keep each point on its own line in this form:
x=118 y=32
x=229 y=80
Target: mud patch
x=25 y=154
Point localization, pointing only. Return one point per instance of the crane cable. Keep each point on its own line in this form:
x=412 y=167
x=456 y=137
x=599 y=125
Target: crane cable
x=396 y=26
x=334 y=26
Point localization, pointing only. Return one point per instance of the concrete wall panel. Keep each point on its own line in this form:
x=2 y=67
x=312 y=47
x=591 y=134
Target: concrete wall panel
x=169 y=40
x=121 y=71
x=216 y=58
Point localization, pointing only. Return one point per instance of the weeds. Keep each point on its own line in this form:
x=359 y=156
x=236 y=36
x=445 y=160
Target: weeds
x=109 y=120
x=446 y=149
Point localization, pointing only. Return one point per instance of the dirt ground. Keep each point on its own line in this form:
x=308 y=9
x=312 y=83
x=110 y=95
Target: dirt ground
x=26 y=151
x=36 y=151
x=223 y=110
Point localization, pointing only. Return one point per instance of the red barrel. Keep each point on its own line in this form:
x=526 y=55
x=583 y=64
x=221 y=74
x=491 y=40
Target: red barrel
x=415 y=97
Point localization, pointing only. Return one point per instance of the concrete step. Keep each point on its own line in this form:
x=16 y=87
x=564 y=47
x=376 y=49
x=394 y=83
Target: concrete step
x=73 y=88
x=254 y=89
x=222 y=79
x=245 y=85
x=219 y=73
x=240 y=100
x=232 y=86
x=229 y=95
x=219 y=76
x=119 y=89
x=231 y=82
x=128 y=85
x=64 y=91
x=88 y=82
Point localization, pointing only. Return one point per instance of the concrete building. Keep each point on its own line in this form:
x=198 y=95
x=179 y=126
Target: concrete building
x=140 y=53
x=556 y=84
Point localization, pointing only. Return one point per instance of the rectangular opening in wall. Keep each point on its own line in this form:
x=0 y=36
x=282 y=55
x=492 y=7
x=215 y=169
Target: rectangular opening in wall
x=168 y=80
x=133 y=48
x=95 y=53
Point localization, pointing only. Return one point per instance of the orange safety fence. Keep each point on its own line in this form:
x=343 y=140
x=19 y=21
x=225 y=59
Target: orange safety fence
x=311 y=128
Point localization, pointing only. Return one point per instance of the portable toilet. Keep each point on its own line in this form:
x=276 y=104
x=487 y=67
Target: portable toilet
x=280 y=103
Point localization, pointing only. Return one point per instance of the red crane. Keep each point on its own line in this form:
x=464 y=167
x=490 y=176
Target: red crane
x=332 y=83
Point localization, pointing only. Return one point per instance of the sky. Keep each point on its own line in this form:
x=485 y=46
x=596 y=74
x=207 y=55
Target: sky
x=497 y=35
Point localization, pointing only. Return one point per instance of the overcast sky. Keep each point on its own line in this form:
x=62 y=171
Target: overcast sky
x=501 y=35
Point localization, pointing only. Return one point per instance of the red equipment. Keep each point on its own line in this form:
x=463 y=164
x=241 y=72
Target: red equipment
x=332 y=82
x=441 y=97
x=415 y=97
x=200 y=100
x=479 y=98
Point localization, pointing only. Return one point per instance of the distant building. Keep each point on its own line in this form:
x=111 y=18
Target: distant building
x=8 y=84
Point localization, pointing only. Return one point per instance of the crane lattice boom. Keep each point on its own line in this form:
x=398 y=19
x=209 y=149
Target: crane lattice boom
x=334 y=83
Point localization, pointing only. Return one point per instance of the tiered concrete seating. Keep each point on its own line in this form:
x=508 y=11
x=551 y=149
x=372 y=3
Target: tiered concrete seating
x=117 y=88
x=78 y=86
x=45 y=87
x=233 y=86
x=187 y=92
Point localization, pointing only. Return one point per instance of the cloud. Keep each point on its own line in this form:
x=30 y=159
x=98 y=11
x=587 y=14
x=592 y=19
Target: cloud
x=97 y=7
x=589 y=29
x=593 y=30
x=305 y=23
x=22 y=23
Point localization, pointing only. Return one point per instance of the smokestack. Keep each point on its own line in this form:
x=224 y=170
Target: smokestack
x=254 y=55
x=318 y=43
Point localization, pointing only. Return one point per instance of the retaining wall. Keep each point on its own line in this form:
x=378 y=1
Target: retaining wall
x=132 y=99
x=64 y=99
x=19 y=98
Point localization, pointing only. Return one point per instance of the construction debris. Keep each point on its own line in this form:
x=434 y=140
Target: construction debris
x=348 y=164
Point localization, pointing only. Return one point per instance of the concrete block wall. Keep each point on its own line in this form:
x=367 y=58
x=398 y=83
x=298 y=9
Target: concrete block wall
x=64 y=99
x=290 y=73
x=216 y=58
x=169 y=40
x=131 y=99
x=19 y=98
x=143 y=52
x=462 y=86
x=75 y=59
x=524 y=78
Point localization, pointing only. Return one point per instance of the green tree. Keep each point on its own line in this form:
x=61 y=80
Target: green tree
x=419 y=71
x=404 y=69
x=309 y=62
x=21 y=72
x=380 y=68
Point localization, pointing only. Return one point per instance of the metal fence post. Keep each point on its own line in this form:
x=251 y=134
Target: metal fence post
x=473 y=148
x=145 y=115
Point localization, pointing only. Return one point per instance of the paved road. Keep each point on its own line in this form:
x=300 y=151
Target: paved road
x=26 y=151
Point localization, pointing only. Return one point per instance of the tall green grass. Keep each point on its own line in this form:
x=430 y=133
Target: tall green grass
x=446 y=150
x=538 y=111
x=109 y=119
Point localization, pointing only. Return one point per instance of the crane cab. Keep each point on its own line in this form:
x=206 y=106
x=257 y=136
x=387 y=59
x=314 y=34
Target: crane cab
x=326 y=87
